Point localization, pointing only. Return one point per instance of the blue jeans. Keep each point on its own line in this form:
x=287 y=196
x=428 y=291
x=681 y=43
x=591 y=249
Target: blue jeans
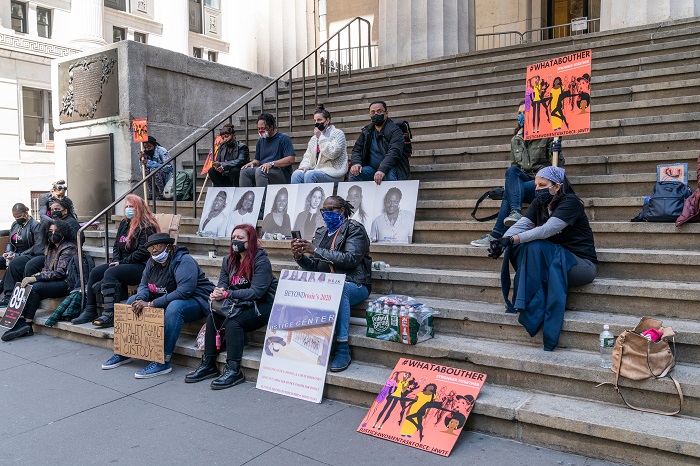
x=314 y=176
x=176 y=314
x=367 y=174
x=519 y=188
x=352 y=294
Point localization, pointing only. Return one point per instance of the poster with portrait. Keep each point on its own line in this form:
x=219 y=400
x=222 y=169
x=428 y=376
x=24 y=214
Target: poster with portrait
x=246 y=206
x=310 y=197
x=278 y=213
x=361 y=195
x=299 y=334
x=423 y=405
x=672 y=172
x=215 y=215
x=394 y=212
x=558 y=96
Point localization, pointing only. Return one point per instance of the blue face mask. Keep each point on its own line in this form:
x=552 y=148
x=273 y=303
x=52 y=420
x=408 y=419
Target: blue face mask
x=129 y=212
x=521 y=119
x=544 y=196
x=333 y=220
x=162 y=257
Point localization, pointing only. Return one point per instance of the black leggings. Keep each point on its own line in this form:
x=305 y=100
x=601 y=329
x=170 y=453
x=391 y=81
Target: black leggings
x=124 y=274
x=247 y=321
x=15 y=272
x=391 y=402
x=43 y=290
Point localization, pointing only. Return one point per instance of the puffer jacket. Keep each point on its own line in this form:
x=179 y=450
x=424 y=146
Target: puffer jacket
x=532 y=156
x=691 y=209
x=56 y=260
x=332 y=159
x=350 y=254
x=391 y=142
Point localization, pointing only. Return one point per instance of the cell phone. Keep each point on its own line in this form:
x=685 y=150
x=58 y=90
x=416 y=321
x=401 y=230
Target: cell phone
x=296 y=234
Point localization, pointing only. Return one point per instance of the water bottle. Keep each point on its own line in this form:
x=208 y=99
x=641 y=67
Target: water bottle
x=607 y=341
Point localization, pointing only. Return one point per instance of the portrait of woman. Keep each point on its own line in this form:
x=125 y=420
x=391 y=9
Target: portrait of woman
x=277 y=220
x=310 y=218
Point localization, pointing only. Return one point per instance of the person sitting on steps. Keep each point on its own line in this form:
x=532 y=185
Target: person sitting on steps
x=228 y=159
x=527 y=157
x=50 y=282
x=24 y=243
x=58 y=191
x=246 y=281
x=274 y=156
x=172 y=280
x=129 y=256
x=340 y=246
x=153 y=156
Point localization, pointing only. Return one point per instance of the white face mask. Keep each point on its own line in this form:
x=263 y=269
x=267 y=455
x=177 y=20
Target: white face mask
x=162 y=257
x=264 y=134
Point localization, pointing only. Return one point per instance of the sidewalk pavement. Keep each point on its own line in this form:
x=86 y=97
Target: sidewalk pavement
x=58 y=407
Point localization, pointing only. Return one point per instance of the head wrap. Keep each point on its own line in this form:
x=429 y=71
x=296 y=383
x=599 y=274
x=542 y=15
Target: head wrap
x=553 y=174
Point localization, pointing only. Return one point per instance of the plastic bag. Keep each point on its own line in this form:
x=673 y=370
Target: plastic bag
x=400 y=318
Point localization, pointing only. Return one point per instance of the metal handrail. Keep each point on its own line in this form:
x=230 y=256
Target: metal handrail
x=510 y=38
x=190 y=142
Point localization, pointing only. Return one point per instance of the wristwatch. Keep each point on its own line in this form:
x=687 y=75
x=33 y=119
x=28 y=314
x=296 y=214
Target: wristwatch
x=272 y=164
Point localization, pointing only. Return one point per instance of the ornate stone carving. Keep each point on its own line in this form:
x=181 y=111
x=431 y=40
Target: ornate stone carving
x=24 y=44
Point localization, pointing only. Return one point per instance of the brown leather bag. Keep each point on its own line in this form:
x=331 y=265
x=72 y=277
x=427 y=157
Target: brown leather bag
x=638 y=358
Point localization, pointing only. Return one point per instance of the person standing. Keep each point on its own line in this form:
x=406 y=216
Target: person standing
x=274 y=156
x=228 y=159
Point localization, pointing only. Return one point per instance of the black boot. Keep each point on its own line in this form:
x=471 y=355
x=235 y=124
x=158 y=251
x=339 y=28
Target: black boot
x=206 y=370
x=232 y=376
x=106 y=320
x=21 y=329
x=88 y=315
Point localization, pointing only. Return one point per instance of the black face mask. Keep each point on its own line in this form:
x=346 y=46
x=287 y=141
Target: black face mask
x=150 y=153
x=238 y=246
x=231 y=143
x=320 y=126
x=21 y=221
x=55 y=238
x=56 y=215
x=378 y=119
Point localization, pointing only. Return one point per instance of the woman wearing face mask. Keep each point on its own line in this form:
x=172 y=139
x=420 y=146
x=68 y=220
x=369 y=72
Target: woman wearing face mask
x=326 y=157
x=278 y=221
x=230 y=156
x=274 y=156
x=153 y=156
x=551 y=249
x=129 y=256
x=50 y=282
x=246 y=290
x=310 y=218
x=172 y=280
x=24 y=243
x=341 y=246
x=58 y=191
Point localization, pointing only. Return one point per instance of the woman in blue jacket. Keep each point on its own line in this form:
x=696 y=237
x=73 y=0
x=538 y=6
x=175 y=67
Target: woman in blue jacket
x=153 y=156
x=172 y=280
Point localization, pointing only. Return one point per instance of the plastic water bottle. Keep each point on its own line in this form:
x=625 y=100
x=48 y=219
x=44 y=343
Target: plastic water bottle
x=607 y=341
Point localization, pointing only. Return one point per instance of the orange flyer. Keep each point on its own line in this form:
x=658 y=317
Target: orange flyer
x=558 y=96
x=423 y=405
x=139 y=128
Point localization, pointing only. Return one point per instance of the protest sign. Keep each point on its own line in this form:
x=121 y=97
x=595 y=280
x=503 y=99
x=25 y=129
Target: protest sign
x=423 y=405
x=299 y=334
x=139 y=128
x=14 y=309
x=558 y=96
x=139 y=336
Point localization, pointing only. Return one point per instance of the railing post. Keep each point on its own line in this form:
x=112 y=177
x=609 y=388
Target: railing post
x=316 y=77
x=349 y=51
x=194 y=184
x=338 y=64
x=175 y=187
x=359 y=44
x=246 y=124
x=328 y=69
x=262 y=102
x=369 y=45
x=290 y=101
x=303 y=89
x=277 y=101
x=153 y=193
x=107 y=237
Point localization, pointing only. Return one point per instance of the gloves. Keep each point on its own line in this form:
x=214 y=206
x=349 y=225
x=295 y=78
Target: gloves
x=28 y=281
x=498 y=246
x=555 y=146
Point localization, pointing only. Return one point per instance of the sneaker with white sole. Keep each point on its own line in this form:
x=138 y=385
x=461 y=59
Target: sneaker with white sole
x=154 y=369
x=512 y=218
x=483 y=242
x=115 y=361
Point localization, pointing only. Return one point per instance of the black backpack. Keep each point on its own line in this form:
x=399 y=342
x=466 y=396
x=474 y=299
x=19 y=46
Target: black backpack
x=495 y=194
x=666 y=202
x=407 y=135
x=73 y=271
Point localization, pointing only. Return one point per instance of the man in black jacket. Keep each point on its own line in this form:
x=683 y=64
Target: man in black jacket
x=378 y=152
x=25 y=242
x=228 y=159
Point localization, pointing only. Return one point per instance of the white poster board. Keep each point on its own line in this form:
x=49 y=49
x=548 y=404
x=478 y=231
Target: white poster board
x=279 y=210
x=246 y=207
x=310 y=197
x=299 y=334
x=361 y=195
x=217 y=207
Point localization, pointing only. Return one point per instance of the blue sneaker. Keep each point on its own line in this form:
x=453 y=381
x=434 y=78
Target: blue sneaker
x=115 y=361
x=154 y=369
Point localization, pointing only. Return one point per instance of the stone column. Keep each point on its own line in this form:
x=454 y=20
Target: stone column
x=412 y=30
x=175 y=17
x=86 y=20
x=618 y=14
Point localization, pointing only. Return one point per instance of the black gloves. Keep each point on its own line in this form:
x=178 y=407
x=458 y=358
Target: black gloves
x=555 y=146
x=498 y=246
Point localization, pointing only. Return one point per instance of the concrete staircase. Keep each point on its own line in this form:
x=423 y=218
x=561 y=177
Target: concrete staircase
x=645 y=91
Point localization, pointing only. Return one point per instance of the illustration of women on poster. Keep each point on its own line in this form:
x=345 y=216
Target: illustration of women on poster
x=402 y=379
x=278 y=221
x=310 y=218
x=243 y=212
x=409 y=426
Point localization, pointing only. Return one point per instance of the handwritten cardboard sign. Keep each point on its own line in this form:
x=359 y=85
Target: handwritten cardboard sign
x=139 y=127
x=139 y=336
x=14 y=309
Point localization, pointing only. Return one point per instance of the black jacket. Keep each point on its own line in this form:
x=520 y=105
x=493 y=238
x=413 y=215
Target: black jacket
x=390 y=140
x=260 y=289
x=350 y=254
x=136 y=253
x=31 y=243
x=45 y=201
x=235 y=158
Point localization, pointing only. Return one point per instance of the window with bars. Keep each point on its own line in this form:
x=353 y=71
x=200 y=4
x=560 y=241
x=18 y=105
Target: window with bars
x=19 y=16
x=212 y=56
x=197 y=52
x=118 y=34
x=37 y=125
x=43 y=22
x=140 y=37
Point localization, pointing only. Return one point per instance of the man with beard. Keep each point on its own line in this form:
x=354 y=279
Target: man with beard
x=228 y=159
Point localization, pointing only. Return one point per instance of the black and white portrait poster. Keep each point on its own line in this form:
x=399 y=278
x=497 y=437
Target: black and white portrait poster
x=279 y=210
x=218 y=206
x=246 y=207
x=394 y=212
x=361 y=195
x=310 y=197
